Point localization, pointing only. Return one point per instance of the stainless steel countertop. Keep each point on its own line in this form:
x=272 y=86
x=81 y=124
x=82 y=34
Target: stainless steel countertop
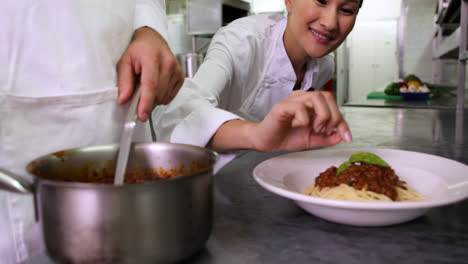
x=252 y=225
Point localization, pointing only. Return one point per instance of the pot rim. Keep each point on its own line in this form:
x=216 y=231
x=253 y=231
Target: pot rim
x=38 y=180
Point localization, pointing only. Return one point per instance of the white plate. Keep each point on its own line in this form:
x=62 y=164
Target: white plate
x=443 y=180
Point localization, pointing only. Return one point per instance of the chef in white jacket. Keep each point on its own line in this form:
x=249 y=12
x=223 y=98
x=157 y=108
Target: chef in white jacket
x=251 y=91
x=65 y=66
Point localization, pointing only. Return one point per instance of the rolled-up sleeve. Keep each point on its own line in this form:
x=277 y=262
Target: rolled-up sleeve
x=151 y=13
x=191 y=119
x=201 y=123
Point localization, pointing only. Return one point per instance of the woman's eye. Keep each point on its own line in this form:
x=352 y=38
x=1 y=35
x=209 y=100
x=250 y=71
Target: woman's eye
x=347 y=11
x=322 y=2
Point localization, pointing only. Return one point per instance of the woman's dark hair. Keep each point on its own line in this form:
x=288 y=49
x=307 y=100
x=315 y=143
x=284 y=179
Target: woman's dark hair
x=361 y=3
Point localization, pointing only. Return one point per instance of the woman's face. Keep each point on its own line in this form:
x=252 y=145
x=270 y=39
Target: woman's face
x=318 y=27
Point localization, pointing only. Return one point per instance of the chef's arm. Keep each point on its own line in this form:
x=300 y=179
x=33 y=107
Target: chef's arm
x=149 y=56
x=233 y=135
x=302 y=121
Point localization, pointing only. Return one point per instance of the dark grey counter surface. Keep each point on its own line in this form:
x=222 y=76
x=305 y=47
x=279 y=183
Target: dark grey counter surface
x=252 y=225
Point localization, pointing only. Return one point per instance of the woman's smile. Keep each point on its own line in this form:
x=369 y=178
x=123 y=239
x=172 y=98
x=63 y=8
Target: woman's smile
x=321 y=37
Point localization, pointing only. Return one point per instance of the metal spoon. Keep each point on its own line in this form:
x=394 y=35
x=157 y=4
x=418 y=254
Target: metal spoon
x=126 y=138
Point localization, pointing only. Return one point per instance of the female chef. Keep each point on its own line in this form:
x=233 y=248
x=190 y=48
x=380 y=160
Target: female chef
x=58 y=88
x=251 y=92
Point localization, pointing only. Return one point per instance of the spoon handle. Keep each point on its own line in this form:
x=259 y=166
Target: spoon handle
x=126 y=138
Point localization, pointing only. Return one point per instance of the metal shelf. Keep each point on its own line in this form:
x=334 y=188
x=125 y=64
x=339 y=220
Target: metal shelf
x=449 y=48
x=447 y=17
x=447 y=29
x=451 y=40
x=449 y=13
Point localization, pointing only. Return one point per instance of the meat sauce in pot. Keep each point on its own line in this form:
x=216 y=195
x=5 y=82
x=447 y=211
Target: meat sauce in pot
x=89 y=174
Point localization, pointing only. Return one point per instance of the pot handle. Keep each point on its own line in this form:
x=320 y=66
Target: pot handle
x=11 y=182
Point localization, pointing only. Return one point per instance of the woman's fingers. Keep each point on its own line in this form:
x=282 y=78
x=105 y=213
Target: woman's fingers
x=316 y=110
x=344 y=131
x=320 y=107
x=301 y=117
x=327 y=116
x=335 y=114
x=322 y=112
x=323 y=140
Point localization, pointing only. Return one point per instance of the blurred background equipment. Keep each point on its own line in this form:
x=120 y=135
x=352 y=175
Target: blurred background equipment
x=189 y=62
x=192 y=23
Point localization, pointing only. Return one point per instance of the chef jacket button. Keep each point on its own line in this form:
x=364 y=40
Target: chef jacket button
x=267 y=85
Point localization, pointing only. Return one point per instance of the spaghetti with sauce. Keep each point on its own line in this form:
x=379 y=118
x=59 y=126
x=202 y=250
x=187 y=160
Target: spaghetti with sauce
x=361 y=181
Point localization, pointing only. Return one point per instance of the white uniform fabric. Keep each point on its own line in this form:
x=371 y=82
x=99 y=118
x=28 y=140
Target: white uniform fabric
x=58 y=90
x=245 y=72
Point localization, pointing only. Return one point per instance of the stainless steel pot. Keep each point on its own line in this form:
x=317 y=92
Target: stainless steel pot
x=150 y=222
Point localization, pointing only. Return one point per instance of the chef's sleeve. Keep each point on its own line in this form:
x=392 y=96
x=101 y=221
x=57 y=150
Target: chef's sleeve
x=193 y=117
x=151 y=13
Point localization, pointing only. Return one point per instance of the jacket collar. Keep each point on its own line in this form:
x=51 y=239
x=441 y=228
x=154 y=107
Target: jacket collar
x=280 y=67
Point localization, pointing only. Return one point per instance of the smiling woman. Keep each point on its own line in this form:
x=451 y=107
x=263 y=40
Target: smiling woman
x=259 y=85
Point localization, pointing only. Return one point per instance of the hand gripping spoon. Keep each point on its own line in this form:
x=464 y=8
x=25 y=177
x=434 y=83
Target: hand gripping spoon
x=126 y=138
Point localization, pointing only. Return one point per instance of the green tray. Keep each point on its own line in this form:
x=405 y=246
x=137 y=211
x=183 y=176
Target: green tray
x=382 y=95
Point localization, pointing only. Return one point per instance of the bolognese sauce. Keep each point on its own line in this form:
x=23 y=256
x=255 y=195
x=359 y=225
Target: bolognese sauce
x=90 y=174
x=378 y=179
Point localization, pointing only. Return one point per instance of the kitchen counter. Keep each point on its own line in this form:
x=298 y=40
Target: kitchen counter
x=252 y=225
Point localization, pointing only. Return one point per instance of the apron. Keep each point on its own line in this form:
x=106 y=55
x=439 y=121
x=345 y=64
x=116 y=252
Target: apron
x=58 y=90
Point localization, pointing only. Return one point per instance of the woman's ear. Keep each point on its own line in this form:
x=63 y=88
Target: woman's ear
x=288 y=4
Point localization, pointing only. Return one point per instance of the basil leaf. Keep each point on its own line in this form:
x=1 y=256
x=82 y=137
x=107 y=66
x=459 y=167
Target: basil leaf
x=367 y=157
x=343 y=167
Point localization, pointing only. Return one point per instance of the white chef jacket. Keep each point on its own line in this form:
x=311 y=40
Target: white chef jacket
x=58 y=90
x=245 y=72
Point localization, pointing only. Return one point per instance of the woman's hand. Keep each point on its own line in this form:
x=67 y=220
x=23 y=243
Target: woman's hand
x=161 y=77
x=302 y=121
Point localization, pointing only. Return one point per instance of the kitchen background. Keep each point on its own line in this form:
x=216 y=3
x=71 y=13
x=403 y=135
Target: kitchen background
x=391 y=39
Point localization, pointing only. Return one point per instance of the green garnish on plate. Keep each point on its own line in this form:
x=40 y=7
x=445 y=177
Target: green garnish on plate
x=362 y=156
